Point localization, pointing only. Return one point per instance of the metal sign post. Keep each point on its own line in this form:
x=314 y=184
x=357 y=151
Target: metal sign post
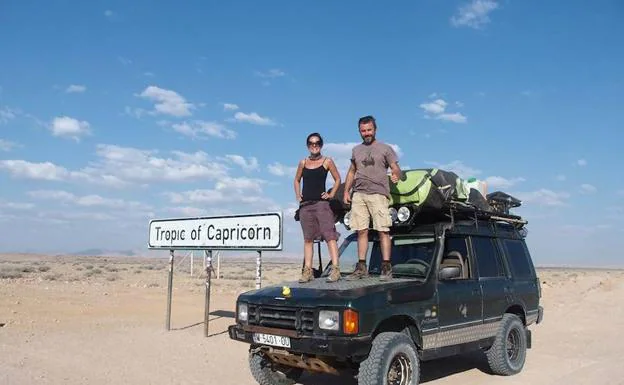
x=259 y=270
x=208 y=256
x=169 y=290
x=249 y=232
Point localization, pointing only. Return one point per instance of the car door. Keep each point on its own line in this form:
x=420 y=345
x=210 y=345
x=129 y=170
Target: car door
x=459 y=300
x=494 y=280
x=525 y=282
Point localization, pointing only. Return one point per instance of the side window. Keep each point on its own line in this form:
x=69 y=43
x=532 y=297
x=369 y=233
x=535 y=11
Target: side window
x=487 y=257
x=458 y=244
x=517 y=258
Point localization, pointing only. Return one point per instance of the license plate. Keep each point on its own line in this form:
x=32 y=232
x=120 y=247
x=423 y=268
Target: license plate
x=270 y=339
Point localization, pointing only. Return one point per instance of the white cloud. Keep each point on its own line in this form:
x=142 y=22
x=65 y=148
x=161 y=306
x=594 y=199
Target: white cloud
x=455 y=117
x=123 y=60
x=436 y=107
x=167 y=102
x=229 y=107
x=240 y=184
x=437 y=110
x=135 y=112
x=502 y=183
x=108 y=13
x=16 y=205
x=75 y=88
x=474 y=15
x=339 y=150
x=188 y=211
x=40 y=171
x=65 y=126
x=134 y=165
x=560 y=177
x=118 y=166
x=272 y=73
x=621 y=193
x=227 y=190
x=92 y=200
x=202 y=129
x=588 y=188
x=543 y=197
x=247 y=165
x=7 y=114
x=458 y=167
x=279 y=169
x=253 y=118
x=581 y=162
x=7 y=145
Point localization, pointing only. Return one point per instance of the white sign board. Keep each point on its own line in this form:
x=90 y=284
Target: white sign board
x=261 y=231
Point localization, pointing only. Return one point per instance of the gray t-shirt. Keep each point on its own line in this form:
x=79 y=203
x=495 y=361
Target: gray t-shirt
x=371 y=165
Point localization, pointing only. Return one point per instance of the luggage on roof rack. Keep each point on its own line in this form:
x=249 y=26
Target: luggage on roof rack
x=433 y=188
x=429 y=195
x=501 y=202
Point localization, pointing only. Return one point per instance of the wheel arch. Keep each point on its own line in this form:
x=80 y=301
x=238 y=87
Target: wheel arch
x=401 y=324
x=518 y=310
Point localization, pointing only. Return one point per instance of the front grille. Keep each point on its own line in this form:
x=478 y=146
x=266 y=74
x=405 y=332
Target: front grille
x=282 y=317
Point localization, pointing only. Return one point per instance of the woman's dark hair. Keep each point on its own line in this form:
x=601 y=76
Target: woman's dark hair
x=312 y=135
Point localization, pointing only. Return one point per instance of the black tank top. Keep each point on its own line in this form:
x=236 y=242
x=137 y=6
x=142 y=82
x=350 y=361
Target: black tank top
x=314 y=182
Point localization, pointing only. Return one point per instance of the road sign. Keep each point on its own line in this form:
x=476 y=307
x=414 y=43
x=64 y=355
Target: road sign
x=259 y=231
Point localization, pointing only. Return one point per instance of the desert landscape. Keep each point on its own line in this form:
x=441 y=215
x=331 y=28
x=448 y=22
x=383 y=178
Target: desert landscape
x=101 y=320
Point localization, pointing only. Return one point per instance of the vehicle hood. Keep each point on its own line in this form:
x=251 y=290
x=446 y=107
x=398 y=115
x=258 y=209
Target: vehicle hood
x=319 y=292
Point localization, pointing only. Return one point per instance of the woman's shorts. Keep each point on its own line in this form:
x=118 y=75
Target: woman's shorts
x=318 y=221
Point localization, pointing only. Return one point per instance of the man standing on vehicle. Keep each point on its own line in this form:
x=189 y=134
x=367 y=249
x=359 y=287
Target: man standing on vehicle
x=368 y=176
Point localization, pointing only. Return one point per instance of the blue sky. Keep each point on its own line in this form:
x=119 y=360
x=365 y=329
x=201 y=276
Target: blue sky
x=114 y=113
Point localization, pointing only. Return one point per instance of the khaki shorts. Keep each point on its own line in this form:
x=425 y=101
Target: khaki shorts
x=367 y=206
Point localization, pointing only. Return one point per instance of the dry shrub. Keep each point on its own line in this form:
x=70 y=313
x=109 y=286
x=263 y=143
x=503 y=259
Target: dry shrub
x=10 y=273
x=52 y=277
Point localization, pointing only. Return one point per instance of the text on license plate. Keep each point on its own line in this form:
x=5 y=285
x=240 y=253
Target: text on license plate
x=270 y=339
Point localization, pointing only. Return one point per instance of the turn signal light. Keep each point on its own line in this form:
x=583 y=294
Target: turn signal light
x=351 y=321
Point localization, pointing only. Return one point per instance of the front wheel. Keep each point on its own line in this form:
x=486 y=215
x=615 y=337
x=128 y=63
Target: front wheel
x=392 y=361
x=267 y=373
x=507 y=355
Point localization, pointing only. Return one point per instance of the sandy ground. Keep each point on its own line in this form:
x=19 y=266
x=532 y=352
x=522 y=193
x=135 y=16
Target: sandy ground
x=71 y=320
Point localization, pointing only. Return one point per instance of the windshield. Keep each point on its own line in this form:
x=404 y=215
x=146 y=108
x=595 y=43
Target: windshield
x=411 y=255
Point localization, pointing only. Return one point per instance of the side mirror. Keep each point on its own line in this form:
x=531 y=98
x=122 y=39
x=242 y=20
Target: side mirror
x=449 y=272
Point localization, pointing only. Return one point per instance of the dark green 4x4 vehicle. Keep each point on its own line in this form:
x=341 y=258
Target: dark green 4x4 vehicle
x=461 y=283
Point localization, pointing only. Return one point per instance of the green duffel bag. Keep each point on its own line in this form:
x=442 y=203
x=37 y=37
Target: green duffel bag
x=430 y=188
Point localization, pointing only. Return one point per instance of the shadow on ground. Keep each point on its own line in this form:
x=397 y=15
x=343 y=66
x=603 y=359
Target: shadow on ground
x=430 y=371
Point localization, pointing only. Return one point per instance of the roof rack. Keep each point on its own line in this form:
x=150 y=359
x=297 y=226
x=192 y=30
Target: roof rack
x=453 y=211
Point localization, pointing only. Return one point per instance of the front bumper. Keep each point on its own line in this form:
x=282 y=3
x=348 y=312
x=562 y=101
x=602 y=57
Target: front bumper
x=333 y=346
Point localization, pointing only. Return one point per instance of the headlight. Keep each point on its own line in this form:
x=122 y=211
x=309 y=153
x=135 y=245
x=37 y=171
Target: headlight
x=329 y=320
x=347 y=218
x=403 y=214
x=243 y=315
x=393 y=214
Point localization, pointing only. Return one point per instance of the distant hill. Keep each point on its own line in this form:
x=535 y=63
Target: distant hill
x=106 y=252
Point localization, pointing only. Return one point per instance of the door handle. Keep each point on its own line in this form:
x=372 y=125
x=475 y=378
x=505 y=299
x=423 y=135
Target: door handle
x=476 y=291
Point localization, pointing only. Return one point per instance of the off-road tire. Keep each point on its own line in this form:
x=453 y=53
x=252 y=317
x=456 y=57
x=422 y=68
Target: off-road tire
x=507 y=354
x=262 y=371
x=390 y=348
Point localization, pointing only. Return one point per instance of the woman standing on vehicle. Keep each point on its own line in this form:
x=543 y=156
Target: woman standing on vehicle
x=315 y=213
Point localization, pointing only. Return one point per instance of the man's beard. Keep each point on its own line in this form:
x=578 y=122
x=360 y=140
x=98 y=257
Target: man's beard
x=368 y=139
